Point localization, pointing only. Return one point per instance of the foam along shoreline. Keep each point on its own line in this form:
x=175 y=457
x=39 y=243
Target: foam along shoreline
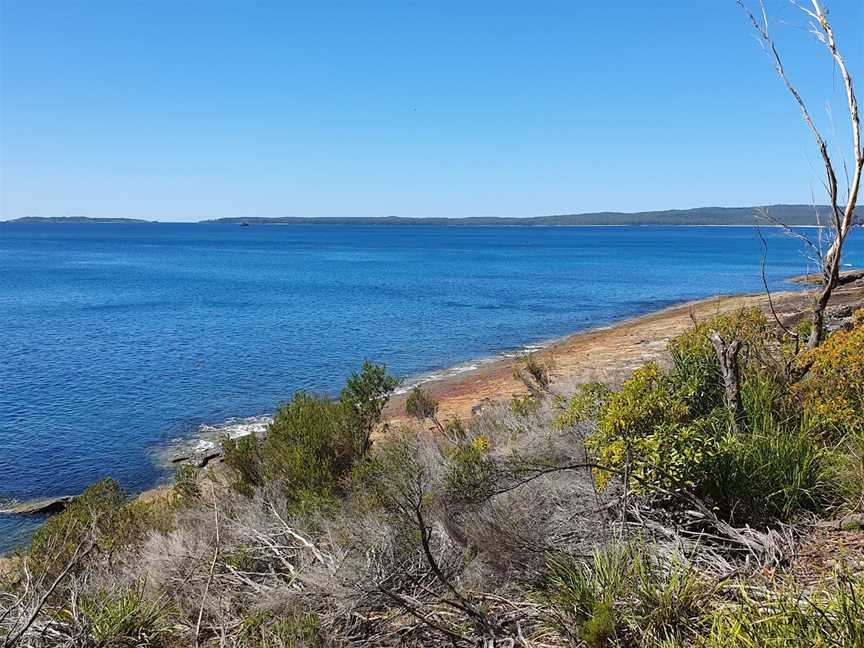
x=203 y=443
x=206 y=438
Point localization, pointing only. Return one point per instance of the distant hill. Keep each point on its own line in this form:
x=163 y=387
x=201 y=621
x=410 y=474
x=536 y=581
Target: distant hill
x=788 y=214
x=797 y=215
x=76 y=219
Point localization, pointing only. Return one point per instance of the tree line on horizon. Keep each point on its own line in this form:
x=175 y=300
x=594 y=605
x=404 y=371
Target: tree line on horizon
x=792 y=215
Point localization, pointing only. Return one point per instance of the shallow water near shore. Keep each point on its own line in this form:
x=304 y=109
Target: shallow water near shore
x=121 y=340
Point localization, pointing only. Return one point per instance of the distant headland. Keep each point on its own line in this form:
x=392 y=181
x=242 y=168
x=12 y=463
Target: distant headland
x=794 y=215
x=77 y=219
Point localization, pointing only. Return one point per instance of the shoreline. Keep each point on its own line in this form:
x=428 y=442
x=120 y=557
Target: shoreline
x=606 y=353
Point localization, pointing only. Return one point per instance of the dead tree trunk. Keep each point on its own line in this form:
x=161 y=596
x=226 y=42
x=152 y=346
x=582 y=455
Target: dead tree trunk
x=727 y=355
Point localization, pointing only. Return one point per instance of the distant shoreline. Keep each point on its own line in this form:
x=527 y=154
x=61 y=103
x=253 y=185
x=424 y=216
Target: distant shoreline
x=792 y=215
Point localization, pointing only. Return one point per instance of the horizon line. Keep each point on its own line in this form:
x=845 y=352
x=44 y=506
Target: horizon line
x=391 y=217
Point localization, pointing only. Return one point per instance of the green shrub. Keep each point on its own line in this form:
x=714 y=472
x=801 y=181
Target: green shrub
x=827 y=616
x=89 y=518
x=120 y=619
x=308 y=446
x=364 y=396
x=765 y=399
x=102 y=515
x=637 y=423
x=469 y=470
x=772 y=473
x=297 y=630
x=244 y=456
x=313 y=442
x=671 y=429
x=695 y=365
x=420 y=404
x=833 y=390
x=524 y=405
x=584 y=405
x=186 y=483
x=627 y=595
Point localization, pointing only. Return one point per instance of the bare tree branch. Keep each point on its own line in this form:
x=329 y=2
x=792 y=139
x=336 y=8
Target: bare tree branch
x=842 y=215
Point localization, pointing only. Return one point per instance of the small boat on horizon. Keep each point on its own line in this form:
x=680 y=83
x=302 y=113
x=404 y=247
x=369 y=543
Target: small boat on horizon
x=244 y=224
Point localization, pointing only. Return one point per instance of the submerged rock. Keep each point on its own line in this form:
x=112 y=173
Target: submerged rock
x=35 y=507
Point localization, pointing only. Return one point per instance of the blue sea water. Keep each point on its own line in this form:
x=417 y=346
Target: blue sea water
x=118 y=340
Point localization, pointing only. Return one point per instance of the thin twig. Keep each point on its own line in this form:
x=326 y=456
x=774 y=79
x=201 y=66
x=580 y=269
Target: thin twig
x=212 y=571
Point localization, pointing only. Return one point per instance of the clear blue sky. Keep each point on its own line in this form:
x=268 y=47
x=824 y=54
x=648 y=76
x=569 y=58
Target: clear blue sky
x=178 y=110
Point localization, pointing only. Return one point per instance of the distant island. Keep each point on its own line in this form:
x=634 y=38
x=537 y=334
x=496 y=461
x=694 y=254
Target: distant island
x=77 y=219
x=795 y=215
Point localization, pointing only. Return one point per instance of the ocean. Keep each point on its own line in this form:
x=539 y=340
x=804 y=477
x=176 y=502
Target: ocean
x=119 y=341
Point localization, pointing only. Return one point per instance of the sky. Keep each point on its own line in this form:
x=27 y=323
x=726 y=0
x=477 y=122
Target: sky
x=183 y=111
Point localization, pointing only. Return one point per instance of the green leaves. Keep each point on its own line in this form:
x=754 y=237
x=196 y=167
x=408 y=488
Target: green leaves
x=313 y=441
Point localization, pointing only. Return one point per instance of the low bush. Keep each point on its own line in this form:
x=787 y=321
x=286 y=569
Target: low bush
x=469 y=470
x=585 y=405
x=103 y=518
x=244 y=456
x=296 y=630
x=116 y=618
x=307 y=448
x=524 y=405
x=364 y=397
x=645 y=421
x=696 y=369
x=313 y=441
x=186 y=483
x=420 y=405
x=626 y=595
x=827 y=616
x=832 y=392
x=771 y=474
x=670 y=430
x=89 y=519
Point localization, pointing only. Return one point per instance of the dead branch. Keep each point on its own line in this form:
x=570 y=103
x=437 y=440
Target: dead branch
x=78 y=556
x=842 y=212
x=210 y=575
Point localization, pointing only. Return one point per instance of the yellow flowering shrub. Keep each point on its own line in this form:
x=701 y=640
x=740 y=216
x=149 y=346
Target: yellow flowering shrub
x=833 y=390
x=671 y=423
x=650 y=417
